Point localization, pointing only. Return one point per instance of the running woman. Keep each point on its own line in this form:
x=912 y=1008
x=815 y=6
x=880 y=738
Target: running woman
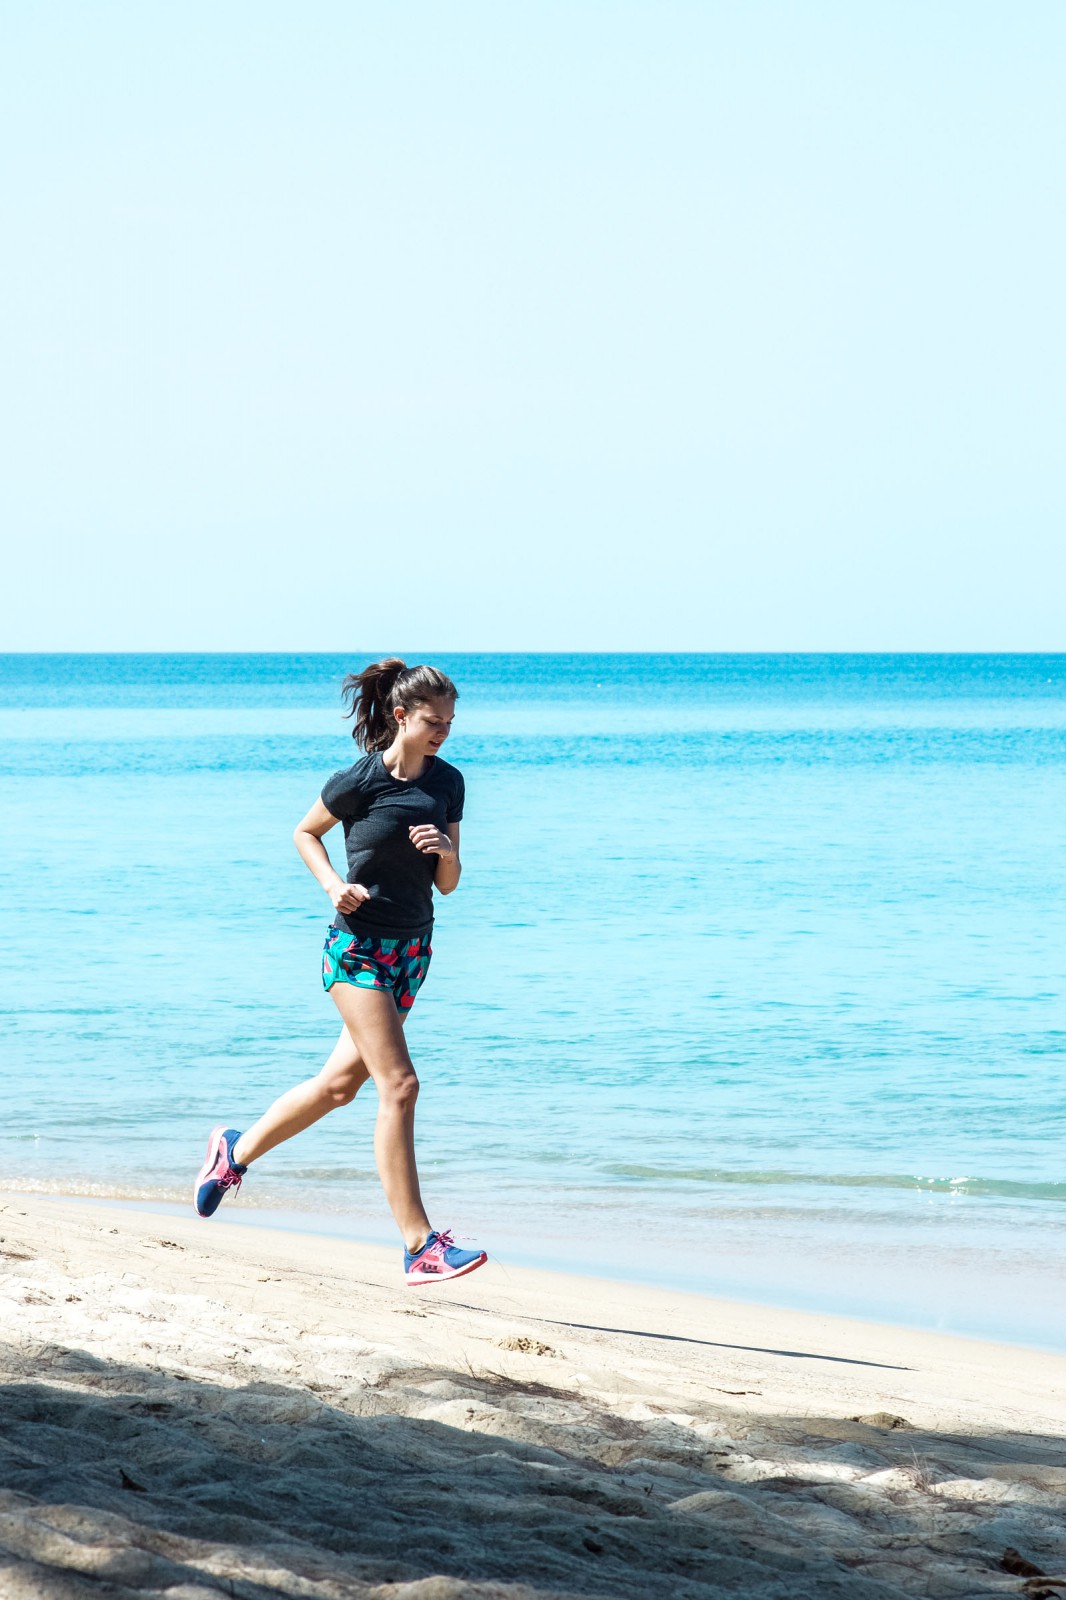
x=400 y=806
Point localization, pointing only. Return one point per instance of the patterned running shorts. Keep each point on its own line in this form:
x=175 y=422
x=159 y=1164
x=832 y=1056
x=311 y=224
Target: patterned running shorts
x=397 y=965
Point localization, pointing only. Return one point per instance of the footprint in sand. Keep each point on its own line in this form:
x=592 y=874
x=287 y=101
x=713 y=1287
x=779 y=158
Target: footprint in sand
x=529 y=1347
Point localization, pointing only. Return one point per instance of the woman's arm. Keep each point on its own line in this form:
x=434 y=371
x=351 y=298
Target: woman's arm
x=307 y=837
x=444 y=845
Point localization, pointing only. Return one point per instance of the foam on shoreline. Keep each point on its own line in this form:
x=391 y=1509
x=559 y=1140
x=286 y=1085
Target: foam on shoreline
x=906 y=1277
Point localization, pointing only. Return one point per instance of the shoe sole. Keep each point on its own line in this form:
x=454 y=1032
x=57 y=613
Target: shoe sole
x=447 y=1277
x=211 y=1157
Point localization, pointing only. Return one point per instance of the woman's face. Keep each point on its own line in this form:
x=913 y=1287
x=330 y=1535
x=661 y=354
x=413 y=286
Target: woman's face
x=426 y=726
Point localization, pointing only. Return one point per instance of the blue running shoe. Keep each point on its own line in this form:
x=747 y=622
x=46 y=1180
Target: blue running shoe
x=439 y=1258
x=218 y=1172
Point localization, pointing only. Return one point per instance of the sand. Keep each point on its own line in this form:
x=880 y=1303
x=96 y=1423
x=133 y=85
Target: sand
x=195 y=1409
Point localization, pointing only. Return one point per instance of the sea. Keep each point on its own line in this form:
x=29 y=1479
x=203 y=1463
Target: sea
x=753 y=985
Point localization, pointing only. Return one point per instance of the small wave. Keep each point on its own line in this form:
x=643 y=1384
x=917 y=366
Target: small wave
x=1005 y=1188
x=91 y=1189
x=330 y=1197
x=324 y=1175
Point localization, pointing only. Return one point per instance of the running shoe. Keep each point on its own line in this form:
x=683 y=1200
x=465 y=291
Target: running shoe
x=440 y=1258
x=218 y=1172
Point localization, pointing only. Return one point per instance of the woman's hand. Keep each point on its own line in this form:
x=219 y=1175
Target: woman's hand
x=430 y=840
x=347 y=897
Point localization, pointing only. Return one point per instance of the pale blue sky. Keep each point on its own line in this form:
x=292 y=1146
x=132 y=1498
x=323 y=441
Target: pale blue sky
x=557 y=325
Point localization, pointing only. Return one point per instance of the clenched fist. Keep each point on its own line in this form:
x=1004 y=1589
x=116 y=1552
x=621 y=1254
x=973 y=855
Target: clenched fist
x=348 y=896
x=430 y=840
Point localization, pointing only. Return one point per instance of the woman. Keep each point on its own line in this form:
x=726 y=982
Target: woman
x=400 y=806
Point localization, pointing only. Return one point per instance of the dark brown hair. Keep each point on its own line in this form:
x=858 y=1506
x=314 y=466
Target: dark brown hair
x=375 y=693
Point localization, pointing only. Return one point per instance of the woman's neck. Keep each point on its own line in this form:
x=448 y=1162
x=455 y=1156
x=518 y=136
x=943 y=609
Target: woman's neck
x=406 y=765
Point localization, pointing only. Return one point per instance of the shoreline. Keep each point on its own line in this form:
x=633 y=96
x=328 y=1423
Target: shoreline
x=279 y=1411
x=325 y=1225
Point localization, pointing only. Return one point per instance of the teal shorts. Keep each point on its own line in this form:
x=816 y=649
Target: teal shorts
x=396 y=965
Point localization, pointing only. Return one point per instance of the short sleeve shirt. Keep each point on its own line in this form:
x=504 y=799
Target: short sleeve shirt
x=377 y=810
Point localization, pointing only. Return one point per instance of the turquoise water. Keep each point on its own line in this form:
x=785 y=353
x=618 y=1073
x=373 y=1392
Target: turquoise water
x=754 y=982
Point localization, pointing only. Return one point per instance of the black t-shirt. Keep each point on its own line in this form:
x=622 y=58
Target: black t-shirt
x=377 y=810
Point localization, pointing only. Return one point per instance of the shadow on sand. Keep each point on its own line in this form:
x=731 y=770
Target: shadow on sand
x=122 y=1480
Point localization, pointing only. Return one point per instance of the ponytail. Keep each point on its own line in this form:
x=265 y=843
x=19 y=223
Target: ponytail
x=374 y=693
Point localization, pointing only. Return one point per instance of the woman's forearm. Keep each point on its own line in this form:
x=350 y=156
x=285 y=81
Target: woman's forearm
x=316 y=859
x=446 y=877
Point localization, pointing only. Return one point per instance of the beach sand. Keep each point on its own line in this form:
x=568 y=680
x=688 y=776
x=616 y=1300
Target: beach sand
x=195 y=1409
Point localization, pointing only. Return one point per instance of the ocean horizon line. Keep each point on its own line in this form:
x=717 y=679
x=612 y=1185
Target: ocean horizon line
x=938 y=654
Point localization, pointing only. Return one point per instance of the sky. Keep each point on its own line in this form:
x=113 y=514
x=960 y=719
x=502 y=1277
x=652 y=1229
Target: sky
x=598 y=324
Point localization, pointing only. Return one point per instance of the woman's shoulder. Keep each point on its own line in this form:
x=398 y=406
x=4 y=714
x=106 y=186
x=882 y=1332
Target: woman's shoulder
x=344 y=785
x=360 y=768
x=445 y=774
x=450 y=786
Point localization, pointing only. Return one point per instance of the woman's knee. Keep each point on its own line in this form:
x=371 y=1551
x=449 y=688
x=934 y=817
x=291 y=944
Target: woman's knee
x=341 y=1090
x=400 y=1091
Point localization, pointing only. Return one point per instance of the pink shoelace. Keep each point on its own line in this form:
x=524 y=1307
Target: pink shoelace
x=229 y=1179
x=442 y=1242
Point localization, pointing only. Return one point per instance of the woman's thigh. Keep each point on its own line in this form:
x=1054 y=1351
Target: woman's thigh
x=374 y=1027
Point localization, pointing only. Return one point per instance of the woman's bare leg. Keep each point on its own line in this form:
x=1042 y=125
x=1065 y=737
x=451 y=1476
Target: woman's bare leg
x=336 y=1085
x=372 y=1021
